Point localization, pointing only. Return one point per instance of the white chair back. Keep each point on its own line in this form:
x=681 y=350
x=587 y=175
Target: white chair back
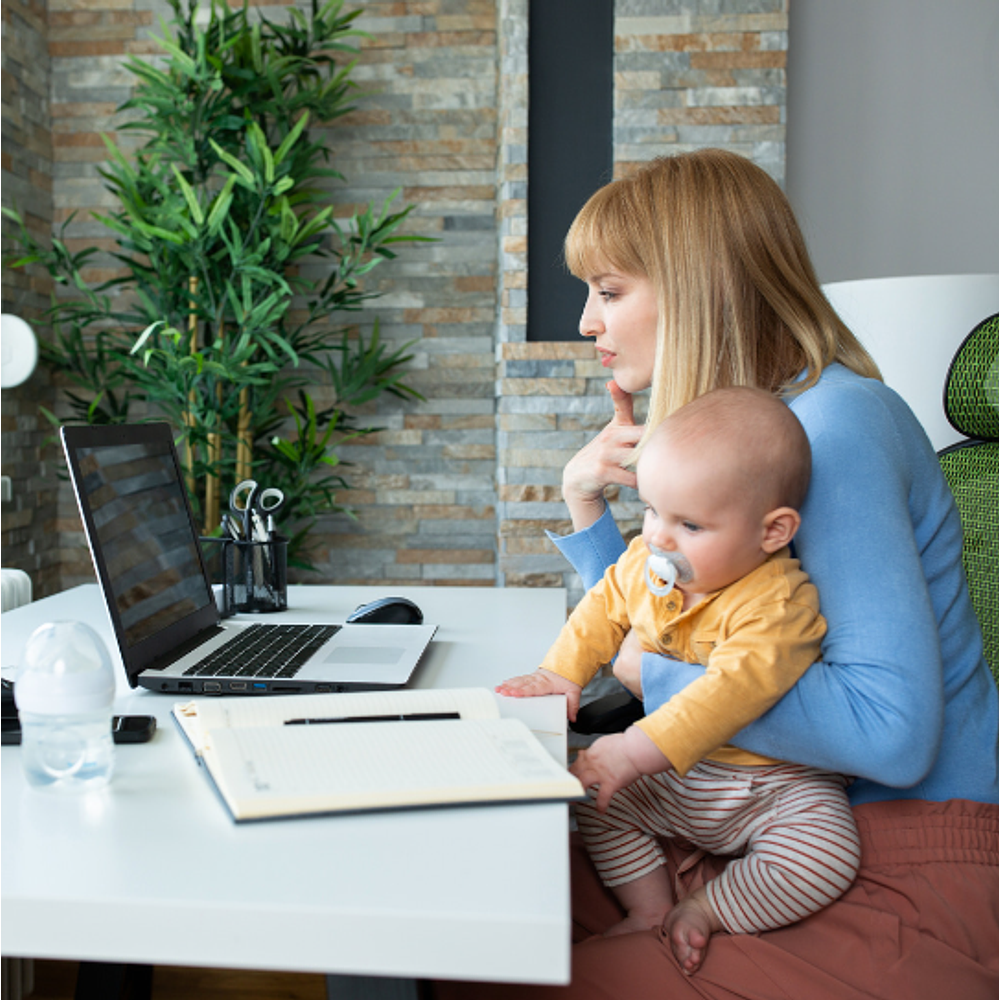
x=913 y=326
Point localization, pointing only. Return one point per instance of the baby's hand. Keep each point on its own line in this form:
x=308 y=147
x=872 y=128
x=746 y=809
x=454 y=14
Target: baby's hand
x=614 y=762
x=606 y=766
x=543 y=682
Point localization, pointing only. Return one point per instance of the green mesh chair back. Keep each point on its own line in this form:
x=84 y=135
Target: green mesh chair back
x=970 y=403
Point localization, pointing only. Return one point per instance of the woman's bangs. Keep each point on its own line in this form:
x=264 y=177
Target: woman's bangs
x=582 y=246
x=599 y=238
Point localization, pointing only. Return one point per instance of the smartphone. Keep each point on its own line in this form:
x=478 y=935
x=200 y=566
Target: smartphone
x=133 y=728
x=124 y=729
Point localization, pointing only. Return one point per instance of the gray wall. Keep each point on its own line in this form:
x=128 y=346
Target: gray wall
x=892 y=135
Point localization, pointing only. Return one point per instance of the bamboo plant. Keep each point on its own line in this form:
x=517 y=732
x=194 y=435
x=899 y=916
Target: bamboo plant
x=211 y=321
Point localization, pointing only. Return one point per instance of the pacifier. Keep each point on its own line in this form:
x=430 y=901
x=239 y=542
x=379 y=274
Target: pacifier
x=670 y=567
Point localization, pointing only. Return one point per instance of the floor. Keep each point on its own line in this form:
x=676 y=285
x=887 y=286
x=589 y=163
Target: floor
x=56 y=981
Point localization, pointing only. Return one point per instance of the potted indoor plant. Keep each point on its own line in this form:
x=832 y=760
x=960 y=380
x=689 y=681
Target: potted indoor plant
x=210 y=321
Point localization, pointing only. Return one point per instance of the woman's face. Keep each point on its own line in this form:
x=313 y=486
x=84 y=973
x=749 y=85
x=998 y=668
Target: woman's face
x=621 y=316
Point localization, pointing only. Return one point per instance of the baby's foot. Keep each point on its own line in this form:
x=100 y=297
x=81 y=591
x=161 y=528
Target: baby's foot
x=690 y=925
x=636 y=921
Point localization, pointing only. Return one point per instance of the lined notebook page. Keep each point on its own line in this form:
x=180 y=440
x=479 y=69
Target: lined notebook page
x=349 y=766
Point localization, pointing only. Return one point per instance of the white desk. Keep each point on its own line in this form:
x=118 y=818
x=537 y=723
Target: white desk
x=153 y=870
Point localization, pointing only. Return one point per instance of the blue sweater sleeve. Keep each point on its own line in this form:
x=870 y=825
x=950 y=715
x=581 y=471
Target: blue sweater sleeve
x=873 y=706
x=591 y=551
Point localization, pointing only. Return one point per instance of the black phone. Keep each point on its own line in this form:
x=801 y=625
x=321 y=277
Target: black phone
x=133 y=728
x=124 y=729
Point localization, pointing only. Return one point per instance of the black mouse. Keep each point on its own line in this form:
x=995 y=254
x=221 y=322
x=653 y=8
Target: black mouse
x=387 y=611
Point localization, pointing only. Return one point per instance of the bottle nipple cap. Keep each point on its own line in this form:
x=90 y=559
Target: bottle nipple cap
x=64 y=669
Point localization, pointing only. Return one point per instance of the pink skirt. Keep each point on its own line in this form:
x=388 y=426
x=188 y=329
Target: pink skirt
x=920 y=921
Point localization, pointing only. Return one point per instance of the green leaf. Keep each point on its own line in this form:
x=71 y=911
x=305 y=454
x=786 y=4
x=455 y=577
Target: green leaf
x=256 y=49
x=189 y=196
x=145 y=335
x=243 y=171
x=50 y=417
x=257 y=144
x=220 y=207
x=160 y=232
x=291 y=138
x=178 y=58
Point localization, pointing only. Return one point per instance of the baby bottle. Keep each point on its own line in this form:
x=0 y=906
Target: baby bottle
x=65 y=689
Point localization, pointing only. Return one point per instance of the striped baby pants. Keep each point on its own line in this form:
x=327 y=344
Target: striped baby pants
x=790 y=828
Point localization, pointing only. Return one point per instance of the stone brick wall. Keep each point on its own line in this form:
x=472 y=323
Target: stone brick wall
x=425 y=496
x=29 y=538
x=694 y=73
x=456 y=489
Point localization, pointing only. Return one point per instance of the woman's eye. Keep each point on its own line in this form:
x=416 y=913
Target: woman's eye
x=607 y=295
x=691 y=526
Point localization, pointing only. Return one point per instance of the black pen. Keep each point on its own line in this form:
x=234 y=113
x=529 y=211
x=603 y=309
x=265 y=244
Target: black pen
x=413 y=717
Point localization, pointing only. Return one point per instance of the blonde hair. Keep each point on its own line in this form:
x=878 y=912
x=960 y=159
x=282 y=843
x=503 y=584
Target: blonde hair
x=739 y=302
x=763 y=452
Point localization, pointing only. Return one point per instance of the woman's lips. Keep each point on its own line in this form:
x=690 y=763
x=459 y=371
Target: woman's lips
x=607 y=358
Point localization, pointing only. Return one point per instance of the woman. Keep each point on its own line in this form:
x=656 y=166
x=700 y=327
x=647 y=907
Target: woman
x=698 y=277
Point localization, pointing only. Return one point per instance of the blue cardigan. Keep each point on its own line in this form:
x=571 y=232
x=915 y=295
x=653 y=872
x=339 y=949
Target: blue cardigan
x=902 y=698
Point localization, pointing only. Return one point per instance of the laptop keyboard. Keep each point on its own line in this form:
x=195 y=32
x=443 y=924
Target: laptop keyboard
x=264 y=651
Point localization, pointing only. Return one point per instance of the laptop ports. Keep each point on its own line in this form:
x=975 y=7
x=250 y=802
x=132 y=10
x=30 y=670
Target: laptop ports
x=237 y=685
x=211 y=687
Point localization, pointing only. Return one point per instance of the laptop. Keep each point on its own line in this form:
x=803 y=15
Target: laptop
x=158 y=590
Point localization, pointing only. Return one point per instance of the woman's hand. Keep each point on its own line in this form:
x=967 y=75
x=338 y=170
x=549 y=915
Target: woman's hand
x=628 y=663
x=543 y=682
x=600 y=463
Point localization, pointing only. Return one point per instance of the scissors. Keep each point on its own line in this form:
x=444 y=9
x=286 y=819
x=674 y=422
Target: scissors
x=250 y=505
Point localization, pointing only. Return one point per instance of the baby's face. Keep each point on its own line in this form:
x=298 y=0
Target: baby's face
x=695 y=510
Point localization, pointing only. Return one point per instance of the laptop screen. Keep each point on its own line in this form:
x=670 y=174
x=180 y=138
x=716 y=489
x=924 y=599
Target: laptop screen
x=142 y=537
x=145 y=536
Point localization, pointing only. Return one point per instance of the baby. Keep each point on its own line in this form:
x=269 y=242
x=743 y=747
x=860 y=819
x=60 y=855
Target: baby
x=711 y=580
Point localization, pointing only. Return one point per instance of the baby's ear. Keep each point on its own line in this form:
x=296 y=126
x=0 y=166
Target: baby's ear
x=780 y=526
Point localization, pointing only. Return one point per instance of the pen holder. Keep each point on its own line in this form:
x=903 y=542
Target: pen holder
x=254 y=575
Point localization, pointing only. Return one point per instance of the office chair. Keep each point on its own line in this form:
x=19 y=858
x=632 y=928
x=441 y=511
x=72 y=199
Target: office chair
x=970 y=467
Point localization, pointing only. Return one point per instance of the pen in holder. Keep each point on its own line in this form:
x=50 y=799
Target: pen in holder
x=254 y=575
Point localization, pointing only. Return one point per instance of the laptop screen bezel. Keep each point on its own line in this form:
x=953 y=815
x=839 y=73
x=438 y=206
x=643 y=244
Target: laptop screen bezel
x=139 y=656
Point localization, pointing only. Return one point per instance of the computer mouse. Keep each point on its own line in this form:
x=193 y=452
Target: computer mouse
x=387 y=611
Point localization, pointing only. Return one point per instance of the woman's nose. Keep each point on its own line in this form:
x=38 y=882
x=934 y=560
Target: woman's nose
x=590 y=322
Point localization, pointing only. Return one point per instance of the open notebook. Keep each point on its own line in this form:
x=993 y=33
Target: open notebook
x=376 y=750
